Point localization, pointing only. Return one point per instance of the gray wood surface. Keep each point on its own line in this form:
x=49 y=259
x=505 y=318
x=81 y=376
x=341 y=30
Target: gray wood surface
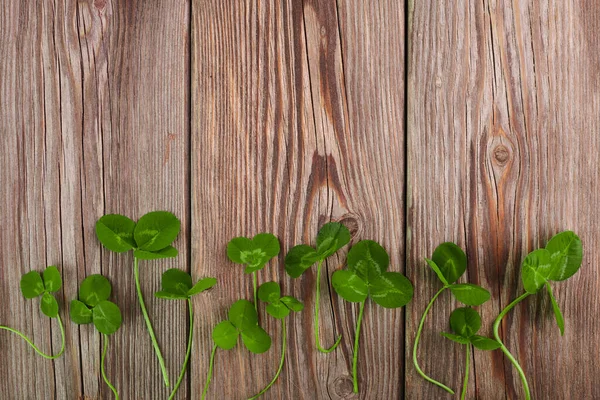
x=411 y=123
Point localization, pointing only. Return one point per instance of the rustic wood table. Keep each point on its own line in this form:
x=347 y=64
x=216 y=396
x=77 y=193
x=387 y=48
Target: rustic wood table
x=412 y=122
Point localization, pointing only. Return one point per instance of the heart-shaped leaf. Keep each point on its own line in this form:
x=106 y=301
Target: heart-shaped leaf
x=368 y=259
x=167 y=252
x=391 y=290
x=557 y=313
x=49 y=305
x=115 y=232
x=349 y=286
x=483 y=343
x=32 y=285
x=469 y=294
x=332 y=237
x=156 y=230
x=299 y=259
x=256 y=339
x=242 y=315
x=52 y=279
x=176 y=281
x=455 y=338
x=94 y=289
x=107 y=317
x=451 y=261
x=535 y=270
x=465 y=321
x=437 y=271
x=225 y=335
x=292 y=303
x=80 y=313
x=278 y=309
x=269 y=292
x=255 y=252
x=566 y=254
x=202 y=285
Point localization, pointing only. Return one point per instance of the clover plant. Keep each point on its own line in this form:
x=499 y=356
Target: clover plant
x=466 y=322
x=34 y=285
x=93 y=307
x=242 y=321
x=278 y=307
x=367 y=277
x=449 y=263
x=255 y=253
x=331 y=237
x=177 y=285
x=150 y=238
x=560 y=260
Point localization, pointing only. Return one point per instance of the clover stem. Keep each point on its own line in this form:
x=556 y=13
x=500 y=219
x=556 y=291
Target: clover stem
x=102 y=368
x=161 y=361
x=254 y=288
x=34 y=347
x=316 y=324
x=503 y=347
x=355 y=355
x=188 y=351
x=418 y=337
x=210 y=370
x=283 y=345
x=466 y=381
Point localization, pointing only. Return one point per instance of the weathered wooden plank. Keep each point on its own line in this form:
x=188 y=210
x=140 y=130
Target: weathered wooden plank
x=275 y=147
x=95 y=120
x=502 y=98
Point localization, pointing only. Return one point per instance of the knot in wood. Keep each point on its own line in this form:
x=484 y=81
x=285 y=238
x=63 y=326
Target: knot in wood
x=501 y=155
x=343 y=387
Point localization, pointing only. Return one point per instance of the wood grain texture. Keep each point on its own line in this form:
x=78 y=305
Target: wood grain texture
x=502 y=114
x=289 y=136
x=96 y=121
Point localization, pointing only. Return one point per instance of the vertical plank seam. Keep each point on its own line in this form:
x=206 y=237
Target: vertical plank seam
x=190 y=184
x=407 y=54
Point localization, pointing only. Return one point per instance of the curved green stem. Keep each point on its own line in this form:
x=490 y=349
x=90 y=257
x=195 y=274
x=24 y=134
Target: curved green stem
x=505 y=350
x=418 y=337
x=283 y=345
x=34 y=347
x=210 y=369
x=355 y=355
x=161 y=361
x=102 y=368
x=466 y=381
x=255 y=289
x=188 y=351
x=316 y=324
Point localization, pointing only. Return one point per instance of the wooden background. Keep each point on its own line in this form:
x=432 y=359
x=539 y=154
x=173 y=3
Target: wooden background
x=411 y=122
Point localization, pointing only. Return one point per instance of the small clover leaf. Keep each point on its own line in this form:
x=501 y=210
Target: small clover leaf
x=368 y=260
x=49 y=305
x=465 y=321
x=535 y=270
x=332 y=237
x=483 y=343
x=32 y=285
x=94 y=289
x=156 y=230
x=93 y=305
x=299 y=259
x=52 y=279
x=450 y=260
x=469 y=294
x=107 y=317
x=566 y=254
x=437 y=271
x=115 y=232
x=269 y=292
x=80 y=313
x=349 y=286
x=177 y=285
x=391 y=290
x=277 y=306
x=255 y=253
x=243 y=321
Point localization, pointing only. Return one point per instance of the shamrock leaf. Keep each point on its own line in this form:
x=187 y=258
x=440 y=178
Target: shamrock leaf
x=349 y=286
x=107 y=317
x=94 y=289
x=466 y=322
x=331 y=237
x=80 y=313
x=156 y=230
x=566 y=254
x=299 y=259
x=93 y=305
x=177 y=285
x=535 y=269
x=450 y=260
x=115 y=232
x=277 y=306
x=242 y=321
x=52 y=279
x=32 y=285
x=255 y=252
x=469 y=294
x=49 y=305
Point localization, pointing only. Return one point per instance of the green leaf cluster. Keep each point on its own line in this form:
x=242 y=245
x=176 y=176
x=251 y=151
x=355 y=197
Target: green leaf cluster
x=277 y=306
x=177 y=285
x=34 y=285
x=465 y=323
x=449 y=263
x=242 y=321
x=150 y=238
x=93 y=305
x=560 y=260
x=255 y=253
x=330 y=238
x=367 y=276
